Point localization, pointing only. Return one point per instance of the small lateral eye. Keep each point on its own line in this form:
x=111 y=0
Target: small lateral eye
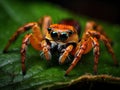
x=70 y=32
x=49 y=29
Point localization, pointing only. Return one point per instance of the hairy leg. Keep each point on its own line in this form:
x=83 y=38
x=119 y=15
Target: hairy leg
x=77 y=57
x=65 y=54
x=96 y=53
x=46 y=49
x=45 y=22
x=91 y=25
x=106 y=42
x=109 y=48
x=17 y=33
x=25 y=43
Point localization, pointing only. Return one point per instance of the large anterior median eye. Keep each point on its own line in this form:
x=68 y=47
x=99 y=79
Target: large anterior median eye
x=63 y=36
x=54 y=35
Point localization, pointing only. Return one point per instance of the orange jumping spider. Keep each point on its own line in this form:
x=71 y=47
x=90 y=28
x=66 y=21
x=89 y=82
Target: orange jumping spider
x=63 y=38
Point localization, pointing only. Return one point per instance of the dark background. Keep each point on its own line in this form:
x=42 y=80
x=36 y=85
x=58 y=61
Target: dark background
x=106 y=10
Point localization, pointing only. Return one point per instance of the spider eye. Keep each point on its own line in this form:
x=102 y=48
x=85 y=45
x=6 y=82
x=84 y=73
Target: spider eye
x=54 y=35
x=63 y=36
x=49 y=29
x=70 y=32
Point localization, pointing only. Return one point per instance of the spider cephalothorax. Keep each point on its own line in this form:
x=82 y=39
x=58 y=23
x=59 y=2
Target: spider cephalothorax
x=64 y=39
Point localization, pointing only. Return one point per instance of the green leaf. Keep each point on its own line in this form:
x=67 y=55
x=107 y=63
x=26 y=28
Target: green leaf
x=42 y=74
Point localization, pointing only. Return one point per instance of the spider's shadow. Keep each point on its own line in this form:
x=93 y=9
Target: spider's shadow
x=15 y=50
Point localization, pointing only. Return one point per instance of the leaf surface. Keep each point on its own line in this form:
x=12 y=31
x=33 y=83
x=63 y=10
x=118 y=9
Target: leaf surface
x=40 y=73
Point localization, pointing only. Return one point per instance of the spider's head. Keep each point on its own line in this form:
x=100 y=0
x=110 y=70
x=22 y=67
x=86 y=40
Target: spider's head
x=61 y=32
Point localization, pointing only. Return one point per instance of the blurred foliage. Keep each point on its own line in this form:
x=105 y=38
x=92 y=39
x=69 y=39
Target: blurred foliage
x=40 y=73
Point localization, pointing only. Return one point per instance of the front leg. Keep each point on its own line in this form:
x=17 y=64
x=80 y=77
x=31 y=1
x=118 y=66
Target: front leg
x=63 y=57
x=46 y=49
x=78 y=56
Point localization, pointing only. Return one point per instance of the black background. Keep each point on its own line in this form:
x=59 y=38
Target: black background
x=103 y=10
x=106 y=10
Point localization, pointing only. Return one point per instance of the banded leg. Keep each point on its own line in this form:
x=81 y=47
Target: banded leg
x=91 y=25
x=109 y=49
x=65 y=54
x=45 y=21
x=106 y=42
x=17 y=33
x=45 y=49
x=77 y=57
x=25 y=43
x=96 y=53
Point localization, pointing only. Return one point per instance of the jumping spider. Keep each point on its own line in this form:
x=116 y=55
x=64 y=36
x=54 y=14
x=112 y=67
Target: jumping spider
x=63 y=38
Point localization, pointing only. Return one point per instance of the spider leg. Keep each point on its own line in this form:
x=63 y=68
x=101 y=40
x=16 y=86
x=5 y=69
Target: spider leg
x=77 y=57
x=46 y=49
x=63 y=57
x=45 y=22
x=96 y=53
x=109 y=48
x=25 y=43
x=37 y=41
x=17 y=33
x=91 y=25
x=106 y=42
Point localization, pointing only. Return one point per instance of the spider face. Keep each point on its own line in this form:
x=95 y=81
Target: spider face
x=62 y=36
x=59 y=36
x=61 y=33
